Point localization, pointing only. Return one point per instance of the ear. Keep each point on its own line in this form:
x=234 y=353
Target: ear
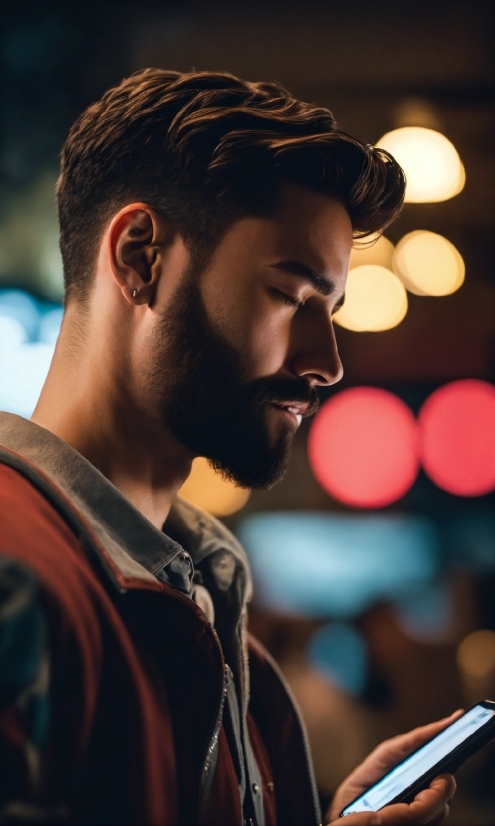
x=136 y=238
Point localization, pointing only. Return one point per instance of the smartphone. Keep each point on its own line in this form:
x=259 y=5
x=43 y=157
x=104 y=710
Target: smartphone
x=445 y=753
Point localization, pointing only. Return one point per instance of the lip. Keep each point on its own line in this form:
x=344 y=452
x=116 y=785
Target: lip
x=295 y=410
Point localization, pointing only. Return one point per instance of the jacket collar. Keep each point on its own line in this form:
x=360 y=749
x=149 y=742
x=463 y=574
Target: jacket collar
x=136 y=547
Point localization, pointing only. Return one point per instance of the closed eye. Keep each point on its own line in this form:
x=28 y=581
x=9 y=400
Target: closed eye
x=287 y=299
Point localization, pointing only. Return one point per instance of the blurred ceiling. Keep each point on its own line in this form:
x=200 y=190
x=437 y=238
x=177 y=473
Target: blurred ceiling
x=319 y=44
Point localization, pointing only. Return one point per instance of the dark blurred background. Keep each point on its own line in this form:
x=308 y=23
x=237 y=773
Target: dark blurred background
x=406 y=632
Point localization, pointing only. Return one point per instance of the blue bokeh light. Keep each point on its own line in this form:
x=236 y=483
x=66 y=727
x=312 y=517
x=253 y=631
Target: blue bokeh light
x=12 y=334
x=23 y=307
x=50 y=324
x=427 y=615
x=338 y=653
x=337 y=565
x=28 y=332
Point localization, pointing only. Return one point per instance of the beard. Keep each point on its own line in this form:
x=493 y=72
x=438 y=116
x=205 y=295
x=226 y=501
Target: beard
x=198 y=387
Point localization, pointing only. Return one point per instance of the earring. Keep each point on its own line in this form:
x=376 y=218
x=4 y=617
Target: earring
x=135 y=292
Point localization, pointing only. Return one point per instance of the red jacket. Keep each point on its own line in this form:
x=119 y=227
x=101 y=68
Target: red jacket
x=136 y=685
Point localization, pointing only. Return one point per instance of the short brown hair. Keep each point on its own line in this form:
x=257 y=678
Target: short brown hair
x=206 y=148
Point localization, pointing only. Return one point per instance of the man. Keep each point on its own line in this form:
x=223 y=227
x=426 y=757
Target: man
x=205 y=228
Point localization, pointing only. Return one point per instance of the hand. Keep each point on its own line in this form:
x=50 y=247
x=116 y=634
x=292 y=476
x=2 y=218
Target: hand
x=429 y=808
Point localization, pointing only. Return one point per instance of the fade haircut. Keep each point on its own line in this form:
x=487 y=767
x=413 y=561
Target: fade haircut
x=206 y=149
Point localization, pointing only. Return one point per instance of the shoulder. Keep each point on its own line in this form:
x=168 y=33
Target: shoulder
x=34 y=532
x=28 y=513
x=16 y=488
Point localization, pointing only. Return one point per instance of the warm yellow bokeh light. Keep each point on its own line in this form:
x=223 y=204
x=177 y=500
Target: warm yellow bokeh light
x=476 y=654
x=205 y=488
x=375 y=300
x=428 y=264
x=374 y=250
x=434 y=170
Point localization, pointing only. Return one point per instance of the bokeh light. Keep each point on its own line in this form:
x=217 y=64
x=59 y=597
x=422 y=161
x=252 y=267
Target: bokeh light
x=363 y=447
x=23 y=370
x=428 y=264
x=457 y=430
x=338 y=653
x=208 y=490
x=476 y=654
x=50 y=325
x=375 y=300
x=427 y=615
x=21 y=306
x=323 y=565
x=373 y=250
x=28 y=331
x=433 y=168
x=12 y=334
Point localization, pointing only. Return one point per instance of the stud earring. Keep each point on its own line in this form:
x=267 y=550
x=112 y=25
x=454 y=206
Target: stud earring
x=135 y=292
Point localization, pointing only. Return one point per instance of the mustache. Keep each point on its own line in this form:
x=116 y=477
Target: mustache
x=281 y=389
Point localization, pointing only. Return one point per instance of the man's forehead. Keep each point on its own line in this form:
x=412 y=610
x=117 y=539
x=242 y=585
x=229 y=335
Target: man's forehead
x=315 y=230
x=307 y=214
x=310 y=203
x=311 y=229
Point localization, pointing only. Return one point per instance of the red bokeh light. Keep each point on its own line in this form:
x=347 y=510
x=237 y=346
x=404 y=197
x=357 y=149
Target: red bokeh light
x=457 y=430
x=363 y=447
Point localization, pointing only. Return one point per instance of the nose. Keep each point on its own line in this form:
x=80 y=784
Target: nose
x=316 y=358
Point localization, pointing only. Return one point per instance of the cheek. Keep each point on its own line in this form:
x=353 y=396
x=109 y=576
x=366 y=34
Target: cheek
x=255 y=326
x=267 y=342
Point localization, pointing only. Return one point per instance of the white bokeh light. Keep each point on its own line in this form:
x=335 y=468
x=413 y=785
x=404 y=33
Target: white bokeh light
x=375 y=300
x=433 y=168
x=428 y=264
x=374 y=250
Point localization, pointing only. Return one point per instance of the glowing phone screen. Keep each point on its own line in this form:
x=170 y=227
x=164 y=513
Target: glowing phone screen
x=406 y=773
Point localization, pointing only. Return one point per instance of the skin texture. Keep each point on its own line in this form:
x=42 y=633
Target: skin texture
x=114 y=373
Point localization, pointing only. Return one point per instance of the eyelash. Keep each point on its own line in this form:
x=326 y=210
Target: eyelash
x=291 y=302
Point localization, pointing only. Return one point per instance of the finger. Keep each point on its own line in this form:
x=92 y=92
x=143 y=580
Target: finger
x=450 y=784
x=427 y=809
x=423 y=732
x=443 y=786
x=361 y=819
x=430 y=804
x=405 y=819
x=437 y=821
x=406 y=743
x=399 y=815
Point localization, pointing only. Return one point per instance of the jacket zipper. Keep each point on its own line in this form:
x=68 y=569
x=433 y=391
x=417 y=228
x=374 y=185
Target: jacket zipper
x=213 y=741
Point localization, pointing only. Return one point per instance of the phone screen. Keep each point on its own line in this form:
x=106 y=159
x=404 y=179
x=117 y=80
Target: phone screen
x=406 y=773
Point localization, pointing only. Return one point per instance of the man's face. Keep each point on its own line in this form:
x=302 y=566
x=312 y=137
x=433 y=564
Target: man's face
x=242 y=346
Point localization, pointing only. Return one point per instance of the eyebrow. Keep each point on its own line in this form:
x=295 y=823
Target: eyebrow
x=318 y=282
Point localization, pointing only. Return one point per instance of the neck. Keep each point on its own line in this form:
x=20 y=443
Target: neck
x=90 y=409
